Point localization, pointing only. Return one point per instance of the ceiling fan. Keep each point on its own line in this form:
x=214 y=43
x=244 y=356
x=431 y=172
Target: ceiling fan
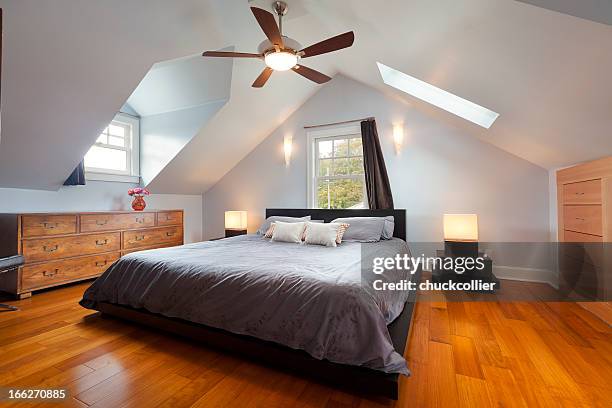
x=281 y=53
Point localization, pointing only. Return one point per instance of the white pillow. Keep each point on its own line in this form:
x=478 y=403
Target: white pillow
x=288 y=231
x=322 y=234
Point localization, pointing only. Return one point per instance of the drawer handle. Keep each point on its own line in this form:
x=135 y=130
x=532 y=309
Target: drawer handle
x=50 y=274
x=49 y=225
x=169 y=234
x=580 y=193
x=139 y=237
x=99 y=263
x=140 y=220
x=101 y=242
x=580 y=219
x=104 y=222
x=50 y=248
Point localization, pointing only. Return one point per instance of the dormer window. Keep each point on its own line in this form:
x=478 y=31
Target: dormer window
x=114 y=156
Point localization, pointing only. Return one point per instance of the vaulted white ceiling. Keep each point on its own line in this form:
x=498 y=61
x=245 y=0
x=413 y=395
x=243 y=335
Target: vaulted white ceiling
x=69 y=65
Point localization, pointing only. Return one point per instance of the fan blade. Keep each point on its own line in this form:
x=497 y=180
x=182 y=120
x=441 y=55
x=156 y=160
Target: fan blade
x=311 y=74
x=230 y=54
x=262 y=78
x=331 y=44
x=267 y=22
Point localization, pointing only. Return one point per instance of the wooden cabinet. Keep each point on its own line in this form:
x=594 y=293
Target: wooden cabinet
x=63 y=248
x=584 y=200
x=584 y=206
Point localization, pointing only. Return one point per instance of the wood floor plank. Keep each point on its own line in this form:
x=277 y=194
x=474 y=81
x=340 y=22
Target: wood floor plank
x=443 y=391
x=473 y=392
x=466 y=357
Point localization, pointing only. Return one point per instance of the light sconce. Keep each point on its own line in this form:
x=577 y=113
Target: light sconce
x=288 y=148
x=398 y=137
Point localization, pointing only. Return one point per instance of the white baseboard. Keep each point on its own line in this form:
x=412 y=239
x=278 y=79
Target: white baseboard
x=526 y=274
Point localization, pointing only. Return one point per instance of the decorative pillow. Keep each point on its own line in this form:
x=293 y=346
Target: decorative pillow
x=363 y=229
x=266 y=224
x=270 y=230
x=288 y=231
x=324 y=234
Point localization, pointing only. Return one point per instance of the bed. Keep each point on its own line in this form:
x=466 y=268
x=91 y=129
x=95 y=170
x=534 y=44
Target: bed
x=306 y=308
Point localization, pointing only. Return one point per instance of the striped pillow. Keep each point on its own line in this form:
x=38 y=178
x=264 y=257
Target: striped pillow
x=341 y=230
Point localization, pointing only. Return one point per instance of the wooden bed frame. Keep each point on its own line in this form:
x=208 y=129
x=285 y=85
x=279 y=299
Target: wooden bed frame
x=361 y=379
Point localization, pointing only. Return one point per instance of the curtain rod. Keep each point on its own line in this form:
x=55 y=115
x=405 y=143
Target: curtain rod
x=339 y=123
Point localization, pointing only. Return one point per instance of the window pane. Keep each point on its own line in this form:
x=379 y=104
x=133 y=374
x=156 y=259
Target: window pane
x=325 y=148
x=341 y=167
x=340 y=147
x=325 y=167
x=340 y=193
x=116 y=130
x=103 y=158
x=116 y=141
x=101 y=138
x=323 y=193
x=356 y=165
x=355 y=147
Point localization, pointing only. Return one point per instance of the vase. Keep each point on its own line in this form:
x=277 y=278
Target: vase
x=139 y=203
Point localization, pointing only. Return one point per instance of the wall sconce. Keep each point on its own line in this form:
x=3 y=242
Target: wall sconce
x=288 y=148
x=398 y=137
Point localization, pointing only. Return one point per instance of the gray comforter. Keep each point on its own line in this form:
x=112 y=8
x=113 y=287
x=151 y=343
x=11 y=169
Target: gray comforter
x=306 y=297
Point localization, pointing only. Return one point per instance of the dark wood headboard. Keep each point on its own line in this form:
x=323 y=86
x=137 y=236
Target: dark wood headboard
x=329 y=215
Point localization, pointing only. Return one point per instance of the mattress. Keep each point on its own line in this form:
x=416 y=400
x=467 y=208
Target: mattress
x=306 y=297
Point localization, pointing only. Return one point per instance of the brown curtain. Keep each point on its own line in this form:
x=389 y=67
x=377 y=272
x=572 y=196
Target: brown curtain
x=376 y=179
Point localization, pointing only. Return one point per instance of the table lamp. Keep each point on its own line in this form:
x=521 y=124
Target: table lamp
x=461 y=235
x=235 y=223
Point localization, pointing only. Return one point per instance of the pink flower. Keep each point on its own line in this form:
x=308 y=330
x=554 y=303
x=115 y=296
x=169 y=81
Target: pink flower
x=131 y=191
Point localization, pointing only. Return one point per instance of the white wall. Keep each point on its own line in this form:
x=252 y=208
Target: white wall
x=163 y=135
x=440 y=170
x=101 y=196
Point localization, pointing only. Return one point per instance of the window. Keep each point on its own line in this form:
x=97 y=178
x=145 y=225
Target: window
x=336 y=175
x=114 y=156
x=437 y=97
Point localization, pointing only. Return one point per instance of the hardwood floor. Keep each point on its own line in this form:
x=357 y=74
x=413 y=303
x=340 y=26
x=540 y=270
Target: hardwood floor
x=461 y=354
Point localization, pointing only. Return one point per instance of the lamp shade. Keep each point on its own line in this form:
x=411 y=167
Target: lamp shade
x=236 y=220
x=460 y=227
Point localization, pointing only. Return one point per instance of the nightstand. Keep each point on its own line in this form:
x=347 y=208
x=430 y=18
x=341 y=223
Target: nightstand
x=485 y=275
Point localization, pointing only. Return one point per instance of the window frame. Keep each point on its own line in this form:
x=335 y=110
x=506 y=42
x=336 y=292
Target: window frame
x=132 y=175
x=314 y=136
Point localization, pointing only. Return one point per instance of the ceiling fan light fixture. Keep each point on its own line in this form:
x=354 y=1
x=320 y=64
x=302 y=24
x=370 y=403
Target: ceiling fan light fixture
x=281 y=60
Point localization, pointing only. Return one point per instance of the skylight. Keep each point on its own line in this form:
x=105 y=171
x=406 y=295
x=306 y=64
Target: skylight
x=438 y=97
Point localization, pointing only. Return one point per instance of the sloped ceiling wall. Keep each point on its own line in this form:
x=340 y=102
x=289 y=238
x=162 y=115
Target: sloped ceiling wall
x=69 y=65
x=66 y=73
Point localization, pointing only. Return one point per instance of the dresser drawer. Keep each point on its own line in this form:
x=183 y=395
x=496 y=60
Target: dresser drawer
x=571 y=236
x=45 y=225
x=583 y=218
x=150 y=237
x=108 y=222
x=43 y=249
x=584 y=192
x=169 y=218
x=65 y=270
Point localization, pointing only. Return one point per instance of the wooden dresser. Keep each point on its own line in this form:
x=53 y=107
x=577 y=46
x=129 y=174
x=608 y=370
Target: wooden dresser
x=584 y=199
x=66 y=247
